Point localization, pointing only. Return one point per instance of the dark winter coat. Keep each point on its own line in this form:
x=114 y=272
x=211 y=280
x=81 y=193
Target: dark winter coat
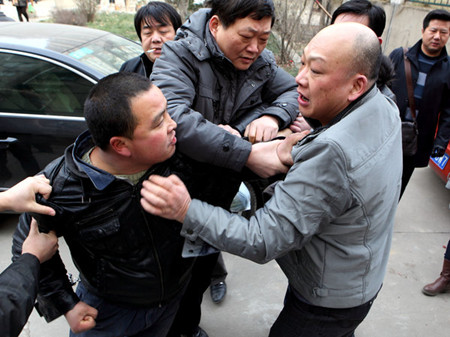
x=139 y=65
x=203 y=88
x=18 y=289
x=123 y=253
x=435 y=108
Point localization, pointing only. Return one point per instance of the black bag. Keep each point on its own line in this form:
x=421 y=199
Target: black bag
x=409 y=138
x=409 y=128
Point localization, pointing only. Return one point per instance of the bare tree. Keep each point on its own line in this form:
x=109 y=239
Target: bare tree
x=182 y=7
x=287 y=25
x=87 y=8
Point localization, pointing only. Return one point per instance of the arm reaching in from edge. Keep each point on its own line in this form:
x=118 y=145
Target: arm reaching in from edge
x=41 y=245
x=22 y=196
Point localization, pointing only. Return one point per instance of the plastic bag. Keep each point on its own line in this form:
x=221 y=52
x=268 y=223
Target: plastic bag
x=31 y=8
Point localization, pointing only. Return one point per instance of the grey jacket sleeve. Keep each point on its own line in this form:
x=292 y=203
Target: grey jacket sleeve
x=198 y=138
x=302 y=206
x=281 y=91
x=280 y=95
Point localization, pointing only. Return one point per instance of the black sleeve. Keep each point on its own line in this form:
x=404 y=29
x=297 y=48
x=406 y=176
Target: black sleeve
x=18 y=289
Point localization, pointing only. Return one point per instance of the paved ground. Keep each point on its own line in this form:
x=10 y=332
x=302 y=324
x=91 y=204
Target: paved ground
x=256 y=291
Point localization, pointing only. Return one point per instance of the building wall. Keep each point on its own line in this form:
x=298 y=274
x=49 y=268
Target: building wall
x=404 y=25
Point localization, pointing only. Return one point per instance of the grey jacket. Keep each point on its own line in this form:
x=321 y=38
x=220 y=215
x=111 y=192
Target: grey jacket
x=203 y=88
x=329 y=223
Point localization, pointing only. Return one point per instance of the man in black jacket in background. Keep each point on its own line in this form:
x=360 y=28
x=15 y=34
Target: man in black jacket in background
x=430 y=72
x=155 y=23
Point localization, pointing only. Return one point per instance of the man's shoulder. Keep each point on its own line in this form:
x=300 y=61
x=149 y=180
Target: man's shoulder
x=190 y=46
x=131 y=64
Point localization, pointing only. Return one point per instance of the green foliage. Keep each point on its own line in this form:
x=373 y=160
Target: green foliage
x=118 y=23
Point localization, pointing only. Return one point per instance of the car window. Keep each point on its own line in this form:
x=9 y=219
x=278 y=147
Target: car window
x=106 y=54
x=34 y=86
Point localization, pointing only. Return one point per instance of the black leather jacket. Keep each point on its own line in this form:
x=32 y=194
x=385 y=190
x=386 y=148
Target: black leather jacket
x=123 y=253
x=139 y=64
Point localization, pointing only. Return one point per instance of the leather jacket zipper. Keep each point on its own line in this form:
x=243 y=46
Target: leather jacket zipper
x=144 y=215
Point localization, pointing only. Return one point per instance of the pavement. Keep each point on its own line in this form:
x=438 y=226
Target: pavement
x=255 y=292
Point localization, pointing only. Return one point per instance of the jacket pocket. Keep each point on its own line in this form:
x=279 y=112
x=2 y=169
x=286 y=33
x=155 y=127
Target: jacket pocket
x=102 y=234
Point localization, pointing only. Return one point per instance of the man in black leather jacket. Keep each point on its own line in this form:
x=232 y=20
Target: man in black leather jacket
x=131 y=269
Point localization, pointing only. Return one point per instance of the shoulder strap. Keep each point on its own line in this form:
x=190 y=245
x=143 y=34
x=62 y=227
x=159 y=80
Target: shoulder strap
x=409 y=85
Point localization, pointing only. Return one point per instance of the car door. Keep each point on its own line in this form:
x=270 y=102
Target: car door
x=41 y=112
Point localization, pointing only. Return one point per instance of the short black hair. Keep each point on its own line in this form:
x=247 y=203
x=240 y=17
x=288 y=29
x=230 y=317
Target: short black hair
x=161 y=12
x=376 y=14
x=437 y=14
x=229 y=11
x=107 y=109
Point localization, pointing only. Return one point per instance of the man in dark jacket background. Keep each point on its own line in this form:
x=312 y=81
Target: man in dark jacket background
x=131 y=269
x=430 y=72
x=155 y=23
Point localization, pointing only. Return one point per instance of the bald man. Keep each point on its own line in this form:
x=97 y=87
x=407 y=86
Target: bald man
x=329 y=223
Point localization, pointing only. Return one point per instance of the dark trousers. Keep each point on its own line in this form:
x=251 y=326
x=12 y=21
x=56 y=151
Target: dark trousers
x=299 y=319
x=189 y=313
x=408 y=169
x=219 y=272
x=22 y=11
x=116 y=320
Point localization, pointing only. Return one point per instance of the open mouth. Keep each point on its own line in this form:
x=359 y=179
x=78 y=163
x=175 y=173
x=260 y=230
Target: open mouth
x=303 y=98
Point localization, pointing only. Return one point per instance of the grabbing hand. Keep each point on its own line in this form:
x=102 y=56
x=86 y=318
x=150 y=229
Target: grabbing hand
x=262 y=129
x=230 y=130
x=166 y=197
x=81 y=318
x=22 y=196
x=300 y=124
x=41 y=245
x=284 y=149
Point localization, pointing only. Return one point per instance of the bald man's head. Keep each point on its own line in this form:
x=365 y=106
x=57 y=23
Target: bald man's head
x=359 y=43
x=338 y=65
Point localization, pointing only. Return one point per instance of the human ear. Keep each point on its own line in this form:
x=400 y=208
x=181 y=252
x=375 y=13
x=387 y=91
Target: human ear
x=120 y=146
x=214 y=24
x=358 y=88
